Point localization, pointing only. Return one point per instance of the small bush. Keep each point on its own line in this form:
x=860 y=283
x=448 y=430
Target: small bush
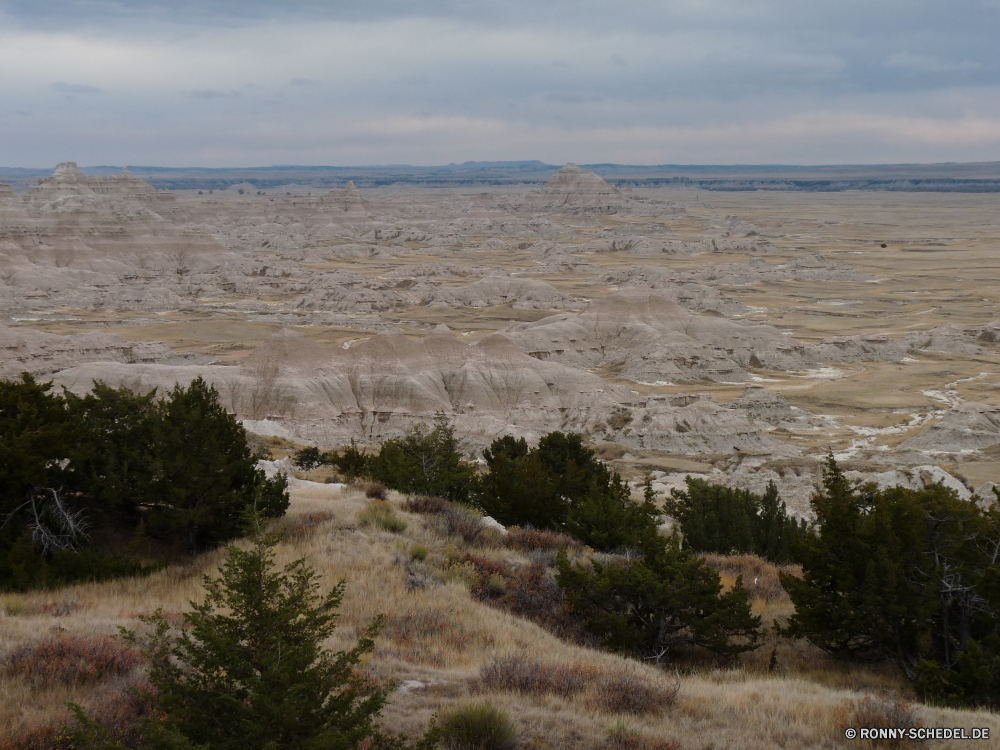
x=119 y=710
x=381 y=514
x=425 y=504
x=520 y=673
x=627 y=692
x=478 y=726
x=458 y=519
x=623 y=737
x=72 y=660
x=492 y=577
x=418 y=552
x=528 y=540
x=883 y=711
x=302 y=527
x=468 y=524
x=374 y=490
x=308 y=458
x=536 y=595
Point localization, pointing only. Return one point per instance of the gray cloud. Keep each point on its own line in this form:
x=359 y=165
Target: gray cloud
x=448 y=80
x=74 y=88
x=213 y=94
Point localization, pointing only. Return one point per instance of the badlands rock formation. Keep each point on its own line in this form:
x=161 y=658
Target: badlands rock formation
x=647 y=318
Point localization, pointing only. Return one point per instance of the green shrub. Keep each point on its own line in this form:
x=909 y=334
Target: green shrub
x=308 y=458
x=653 y=605
x=249 y=669
x=562 y=486
x=907 y=576
x=79 y=474
x=425 y=461
x=381 y=514
x=714 y=518
x=478 y=726
x=418 y=552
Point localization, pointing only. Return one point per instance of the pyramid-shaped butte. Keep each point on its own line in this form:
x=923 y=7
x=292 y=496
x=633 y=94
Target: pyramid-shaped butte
x=576 y=190
x=68 y=180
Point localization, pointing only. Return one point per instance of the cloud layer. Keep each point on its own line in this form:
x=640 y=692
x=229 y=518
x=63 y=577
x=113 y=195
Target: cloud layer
x=218 y=83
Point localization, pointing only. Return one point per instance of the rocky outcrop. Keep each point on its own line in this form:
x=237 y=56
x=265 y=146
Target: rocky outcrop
x=69 y=184
x=572 y=190
x=968 y=427
x=649 y=338
x=42 y=354
x=956 y=339
x=378 y=388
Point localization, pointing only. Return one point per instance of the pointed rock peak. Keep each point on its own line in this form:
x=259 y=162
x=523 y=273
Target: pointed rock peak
x=441 y=328
x=350 y=186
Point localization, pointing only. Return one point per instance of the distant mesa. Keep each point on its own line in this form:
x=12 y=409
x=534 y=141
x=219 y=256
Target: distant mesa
x=575 y=190
x=67 y=179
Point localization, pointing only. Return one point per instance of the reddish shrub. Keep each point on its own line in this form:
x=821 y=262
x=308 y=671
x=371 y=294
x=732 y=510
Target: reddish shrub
x=627 y=692
x=72 y=660
x=425 y=504
x=376 y=491
x=523 y=674
x=534 y=539
x=881 y=712
x=535 y=595
x=302 y=527
x=120 y=709
x=492 y=577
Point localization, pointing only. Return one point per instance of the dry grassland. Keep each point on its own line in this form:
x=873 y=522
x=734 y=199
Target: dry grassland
x=438 y=640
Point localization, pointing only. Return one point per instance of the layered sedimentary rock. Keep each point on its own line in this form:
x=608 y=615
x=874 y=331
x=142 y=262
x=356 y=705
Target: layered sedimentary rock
x=42 y=354
x=380 y=387
x=967 y=427
x=648 y=338
x=71 y=186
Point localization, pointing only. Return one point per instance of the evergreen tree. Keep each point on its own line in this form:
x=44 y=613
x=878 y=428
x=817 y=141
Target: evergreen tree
x=206 y=473
x=249 y=670
x=663 y=601
x=715 y=518
x=79 y=476
x=904 y=575
x=562 y=485
x=427 y=462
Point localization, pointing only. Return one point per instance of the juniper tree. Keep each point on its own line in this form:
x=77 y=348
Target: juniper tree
x=249 y=670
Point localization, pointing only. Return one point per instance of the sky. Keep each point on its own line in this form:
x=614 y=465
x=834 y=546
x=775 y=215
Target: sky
x=231 y=83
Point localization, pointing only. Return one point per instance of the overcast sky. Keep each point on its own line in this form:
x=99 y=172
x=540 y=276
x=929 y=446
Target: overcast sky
x=357 y=82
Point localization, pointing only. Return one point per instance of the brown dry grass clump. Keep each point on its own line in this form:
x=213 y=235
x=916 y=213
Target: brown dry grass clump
x=71 y=660
x=527 y=540
x=614 y=691
x=881 y=711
